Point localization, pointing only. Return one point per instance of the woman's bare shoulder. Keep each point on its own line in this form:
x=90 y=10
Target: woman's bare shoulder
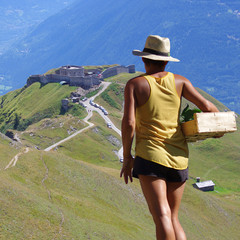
x=136 y=80
x=180 y=78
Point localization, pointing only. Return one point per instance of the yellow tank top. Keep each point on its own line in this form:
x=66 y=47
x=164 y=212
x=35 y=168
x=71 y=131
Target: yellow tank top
x=159 y=137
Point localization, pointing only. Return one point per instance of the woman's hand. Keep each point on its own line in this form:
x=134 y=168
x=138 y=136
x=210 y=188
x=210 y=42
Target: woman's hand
x=127 y=167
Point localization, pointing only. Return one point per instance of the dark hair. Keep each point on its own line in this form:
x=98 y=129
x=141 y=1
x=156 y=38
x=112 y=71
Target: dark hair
x=148 y=61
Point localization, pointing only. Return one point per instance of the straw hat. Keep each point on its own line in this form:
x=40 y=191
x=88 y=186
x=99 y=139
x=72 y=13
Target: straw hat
x=156 y=48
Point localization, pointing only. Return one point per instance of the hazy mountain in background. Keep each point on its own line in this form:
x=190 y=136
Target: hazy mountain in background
x=204 y=36
x=20 y=17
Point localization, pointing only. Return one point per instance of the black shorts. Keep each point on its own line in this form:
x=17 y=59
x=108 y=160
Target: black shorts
x=149 y=168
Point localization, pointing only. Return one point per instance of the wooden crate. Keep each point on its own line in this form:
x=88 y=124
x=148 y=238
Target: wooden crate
x=206 y=125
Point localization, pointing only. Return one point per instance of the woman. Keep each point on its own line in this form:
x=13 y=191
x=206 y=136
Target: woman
x=151 y=111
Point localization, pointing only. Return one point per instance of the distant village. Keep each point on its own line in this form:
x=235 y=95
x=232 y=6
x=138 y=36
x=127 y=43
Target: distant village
x=78 y=76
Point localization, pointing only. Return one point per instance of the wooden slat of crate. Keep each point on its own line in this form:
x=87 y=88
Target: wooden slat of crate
x=207 y=125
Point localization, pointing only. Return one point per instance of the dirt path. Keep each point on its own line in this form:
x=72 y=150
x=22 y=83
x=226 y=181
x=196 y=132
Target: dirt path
x=68 y=138
x=59 y=233
x=14 y=160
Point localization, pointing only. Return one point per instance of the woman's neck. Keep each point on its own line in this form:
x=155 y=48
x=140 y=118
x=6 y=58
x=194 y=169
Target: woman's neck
x=156 y=72
x=152 y=69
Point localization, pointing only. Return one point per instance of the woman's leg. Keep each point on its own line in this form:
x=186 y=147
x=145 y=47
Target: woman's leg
x=155 y=192
x=174 y=195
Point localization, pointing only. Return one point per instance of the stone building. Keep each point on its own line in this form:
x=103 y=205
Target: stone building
x=85 y=82
x=45 y=79
x=72 y=75
x=78 y=76
x=65 y=103
x=90 y=71
x=112 y=71
x=35 y=78
x=71 y=71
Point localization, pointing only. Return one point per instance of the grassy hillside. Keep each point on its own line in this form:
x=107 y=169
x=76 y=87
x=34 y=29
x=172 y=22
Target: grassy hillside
x=74 y=191
x=51 y=196
x=25 y=106
x=97 y=146
x=50 y=130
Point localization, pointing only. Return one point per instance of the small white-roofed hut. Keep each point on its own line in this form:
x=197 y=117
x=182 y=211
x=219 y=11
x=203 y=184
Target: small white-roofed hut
x=205 y=186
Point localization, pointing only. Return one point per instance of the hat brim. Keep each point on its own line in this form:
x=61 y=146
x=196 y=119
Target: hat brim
x=154 y=57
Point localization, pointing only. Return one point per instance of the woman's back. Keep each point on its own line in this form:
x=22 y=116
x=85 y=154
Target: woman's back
x=158 y=134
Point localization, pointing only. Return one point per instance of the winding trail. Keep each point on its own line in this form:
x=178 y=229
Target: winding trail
x=14 y=160
x=59 y=233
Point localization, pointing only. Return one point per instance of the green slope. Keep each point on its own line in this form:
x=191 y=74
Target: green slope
x=50 y=130
x=97 y=146
x=51 y=196
x=25 y=106
x=75 y=192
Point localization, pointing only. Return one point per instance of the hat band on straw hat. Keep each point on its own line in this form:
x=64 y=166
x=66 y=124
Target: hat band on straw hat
x=148 y=50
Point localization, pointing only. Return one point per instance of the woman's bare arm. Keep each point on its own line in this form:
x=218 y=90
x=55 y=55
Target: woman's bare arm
x=128 y=129
x=128 y=121
x=191 y=94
